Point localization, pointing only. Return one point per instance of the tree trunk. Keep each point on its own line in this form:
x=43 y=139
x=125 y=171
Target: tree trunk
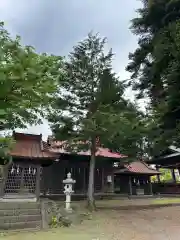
x=90 y=195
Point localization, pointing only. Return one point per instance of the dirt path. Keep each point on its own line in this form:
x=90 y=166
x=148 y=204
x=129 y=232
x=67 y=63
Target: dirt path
x=152 y=224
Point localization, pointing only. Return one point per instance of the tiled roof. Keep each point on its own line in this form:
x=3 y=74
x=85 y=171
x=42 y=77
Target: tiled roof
x=57 y=146
x=138 y=167
x=30 y=146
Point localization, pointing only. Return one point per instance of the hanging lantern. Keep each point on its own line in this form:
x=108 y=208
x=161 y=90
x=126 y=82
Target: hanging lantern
x=134 y=180
x=29 y=170
x=34 y=172
x=18 y=170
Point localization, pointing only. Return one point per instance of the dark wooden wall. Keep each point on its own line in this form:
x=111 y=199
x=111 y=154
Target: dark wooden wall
x=122 y=185
x=53 y=175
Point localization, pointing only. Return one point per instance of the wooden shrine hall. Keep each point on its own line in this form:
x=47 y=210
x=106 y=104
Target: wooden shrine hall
x=38 y=169
x=169 y=159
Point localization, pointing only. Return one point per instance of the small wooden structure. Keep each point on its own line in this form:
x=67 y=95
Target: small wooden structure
x=169 y=159
x=22 y=178
x=134 y=178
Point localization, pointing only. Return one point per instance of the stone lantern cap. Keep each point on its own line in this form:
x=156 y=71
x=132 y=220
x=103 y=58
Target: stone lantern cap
x=69 y=180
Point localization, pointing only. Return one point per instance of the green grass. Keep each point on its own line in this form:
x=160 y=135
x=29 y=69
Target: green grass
x=166 y=201
x=64 y=234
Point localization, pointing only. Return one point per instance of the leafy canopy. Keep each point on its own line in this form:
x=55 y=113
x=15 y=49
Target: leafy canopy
x=90 y=105
x=28 y=82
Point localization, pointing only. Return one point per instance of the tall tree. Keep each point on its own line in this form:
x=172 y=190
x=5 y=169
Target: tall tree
x=90 y=104
x=28 y=82
x=155 y=65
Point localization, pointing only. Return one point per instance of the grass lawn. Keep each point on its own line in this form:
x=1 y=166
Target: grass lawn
x=166 y=201
x=136 y=202
x=64 y=234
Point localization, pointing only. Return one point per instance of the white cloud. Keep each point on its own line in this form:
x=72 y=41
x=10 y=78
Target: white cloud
x=55 y=26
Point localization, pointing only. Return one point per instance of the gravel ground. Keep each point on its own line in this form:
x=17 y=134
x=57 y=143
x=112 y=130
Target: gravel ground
x=156 y=224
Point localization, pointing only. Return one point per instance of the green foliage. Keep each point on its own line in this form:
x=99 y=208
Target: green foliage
x=165 y=176
x=155 y=67
x=28 y=82
x=6 y=143
x=91 y=107
x=91 y=103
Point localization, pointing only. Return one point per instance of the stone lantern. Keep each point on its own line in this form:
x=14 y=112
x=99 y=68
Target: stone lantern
x=68 y=190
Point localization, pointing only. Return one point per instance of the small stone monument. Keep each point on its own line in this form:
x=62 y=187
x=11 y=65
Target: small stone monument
x=68 y=190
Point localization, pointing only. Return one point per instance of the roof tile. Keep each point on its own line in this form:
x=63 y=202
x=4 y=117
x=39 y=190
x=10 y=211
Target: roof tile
x=138 y=167
x=30 y=146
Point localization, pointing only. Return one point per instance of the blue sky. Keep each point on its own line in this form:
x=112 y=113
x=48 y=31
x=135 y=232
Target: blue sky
x=55 y=26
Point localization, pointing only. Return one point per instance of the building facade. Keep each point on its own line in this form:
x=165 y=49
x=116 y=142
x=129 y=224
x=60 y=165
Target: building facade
x=38 y=169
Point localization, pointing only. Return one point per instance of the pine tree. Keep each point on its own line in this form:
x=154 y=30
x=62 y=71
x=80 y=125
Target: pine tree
x=155 y=65
x=90 y=104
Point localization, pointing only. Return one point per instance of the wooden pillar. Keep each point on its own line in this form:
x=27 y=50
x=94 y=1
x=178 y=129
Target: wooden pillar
x=112 y=184
x=38 y=183
x=84 y=180
x=158 y=176
x=4 y=176
x=102 y=183
x=150 y=186
x=130 y=185
x=22 y=180
x=173 y=175
x=2 y=187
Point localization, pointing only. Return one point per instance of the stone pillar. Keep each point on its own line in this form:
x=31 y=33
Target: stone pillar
x=68 y=190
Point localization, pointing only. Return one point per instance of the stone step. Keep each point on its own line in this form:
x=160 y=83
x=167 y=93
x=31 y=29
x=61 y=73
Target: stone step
x=19 y=205
x=21 y=225
x=17 y=212
x=20 y=218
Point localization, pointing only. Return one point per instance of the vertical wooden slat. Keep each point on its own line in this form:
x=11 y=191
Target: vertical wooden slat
x=38 y=182
x=4 y=176
x=130 y=186
x=102 y=180
x=150 y=187
x=84 y=179
x=158 y=176
x=22 y=179
x=173 y=175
